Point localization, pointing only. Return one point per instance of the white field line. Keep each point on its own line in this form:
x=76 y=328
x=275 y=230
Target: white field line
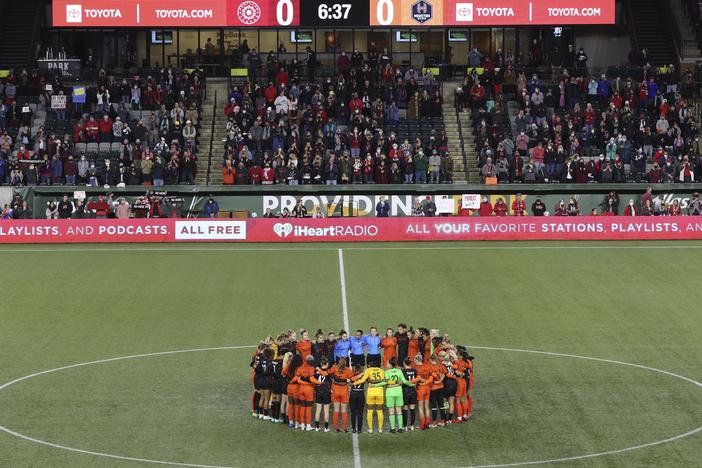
x=345 y=313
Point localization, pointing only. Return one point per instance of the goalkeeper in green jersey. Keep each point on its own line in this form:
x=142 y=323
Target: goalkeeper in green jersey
x=393 y=394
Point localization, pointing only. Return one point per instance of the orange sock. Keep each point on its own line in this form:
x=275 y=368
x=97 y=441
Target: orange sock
x=458 y=408
x=300 y=413
x=291 y=412
x=344 y=420
x=470 y=404
x=335 y=420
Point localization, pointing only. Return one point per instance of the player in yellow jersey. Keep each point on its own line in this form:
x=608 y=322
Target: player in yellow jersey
x=375 y=376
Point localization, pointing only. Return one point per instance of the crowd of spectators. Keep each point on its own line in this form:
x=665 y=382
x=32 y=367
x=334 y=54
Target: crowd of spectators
x=374 y=123
x=575 y=127
x=119 y=131
x=648 y=205
x=101 y=206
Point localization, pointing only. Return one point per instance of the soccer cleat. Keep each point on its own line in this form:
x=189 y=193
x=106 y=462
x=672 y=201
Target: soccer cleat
x=346 y=431
x=326 y=429
x=309 y=427
x=400 y=431
x=370 y=431
x=412 y=428
x=380 y=431
x=316 y=429
x=392 y=431
x=456 y=421
x=337 y=431
x=353 y=431
x=291 y=426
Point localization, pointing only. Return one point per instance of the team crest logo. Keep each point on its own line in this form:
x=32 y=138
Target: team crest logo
x=283 y=229
x=74 y=13
x=421 y=11
x=464 y=12
x=249 y=12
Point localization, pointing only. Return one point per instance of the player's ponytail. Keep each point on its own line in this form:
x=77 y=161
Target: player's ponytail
x=393 y=362
x=341 y=365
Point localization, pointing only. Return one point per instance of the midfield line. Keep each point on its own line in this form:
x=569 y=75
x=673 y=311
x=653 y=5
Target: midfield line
x=345 y=313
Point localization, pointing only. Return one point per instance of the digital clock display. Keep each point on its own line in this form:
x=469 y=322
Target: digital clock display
x=333 y=14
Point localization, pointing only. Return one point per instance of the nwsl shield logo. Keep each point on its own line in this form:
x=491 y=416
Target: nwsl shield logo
x=422 y=11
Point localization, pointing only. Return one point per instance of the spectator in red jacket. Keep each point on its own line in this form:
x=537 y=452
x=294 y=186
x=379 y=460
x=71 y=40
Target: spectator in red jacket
x=485 y=207
x=255 y=175
x=99 y=207
x=477 y=94
x=560 y=209
x=92 y=130
x=79 y=132
x=501 y=207
x=105 y=127
x=519 y=206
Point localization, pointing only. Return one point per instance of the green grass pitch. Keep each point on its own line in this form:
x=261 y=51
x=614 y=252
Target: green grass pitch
x=633 y=302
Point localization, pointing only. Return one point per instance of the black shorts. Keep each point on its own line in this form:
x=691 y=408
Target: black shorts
x=277 y=387
x=373 y=360
x=285 y=387
x=262 y=383
x=436 y=395
x=323 y=397
x=450 y=388
x=409 y=395
x=358 y=360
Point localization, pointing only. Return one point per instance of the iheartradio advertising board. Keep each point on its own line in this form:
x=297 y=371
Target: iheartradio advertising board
x=328 y=13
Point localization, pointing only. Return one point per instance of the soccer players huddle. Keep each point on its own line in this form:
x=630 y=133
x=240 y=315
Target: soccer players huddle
x=418 y=375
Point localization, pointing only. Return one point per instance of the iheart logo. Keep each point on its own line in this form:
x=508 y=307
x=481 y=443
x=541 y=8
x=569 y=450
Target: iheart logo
x=283 y=229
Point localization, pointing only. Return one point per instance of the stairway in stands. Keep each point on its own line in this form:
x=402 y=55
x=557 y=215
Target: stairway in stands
x=652 y=31
x=453 y=133
x=690 y=46
x=220 y=86
x=18 y=33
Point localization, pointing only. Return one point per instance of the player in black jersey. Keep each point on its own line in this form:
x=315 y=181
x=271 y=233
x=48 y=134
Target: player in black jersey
x=357 y=402
x=276 y=389
x=264 y=381
x=256 y=397
x=402 y=343
x=409 y=395
x=322 y=395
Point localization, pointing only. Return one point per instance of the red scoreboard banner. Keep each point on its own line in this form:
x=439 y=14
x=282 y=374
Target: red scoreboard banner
x=175 y=13
x=326 y=13
x=350 y=229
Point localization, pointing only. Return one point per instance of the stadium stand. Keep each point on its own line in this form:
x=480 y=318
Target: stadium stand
x=578 y=126
x=363 y=127
x=119 y=130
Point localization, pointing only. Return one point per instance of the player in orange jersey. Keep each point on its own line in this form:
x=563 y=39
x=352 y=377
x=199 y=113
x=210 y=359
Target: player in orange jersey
x=412 y=344
x=293 y=390
x=426 y=377
x=389 y=345
x=304 y=346
x=461 y=403
x=305 y=377
x=341 y=378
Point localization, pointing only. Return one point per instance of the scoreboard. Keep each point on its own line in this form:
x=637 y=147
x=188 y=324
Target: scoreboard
x=328 y=13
